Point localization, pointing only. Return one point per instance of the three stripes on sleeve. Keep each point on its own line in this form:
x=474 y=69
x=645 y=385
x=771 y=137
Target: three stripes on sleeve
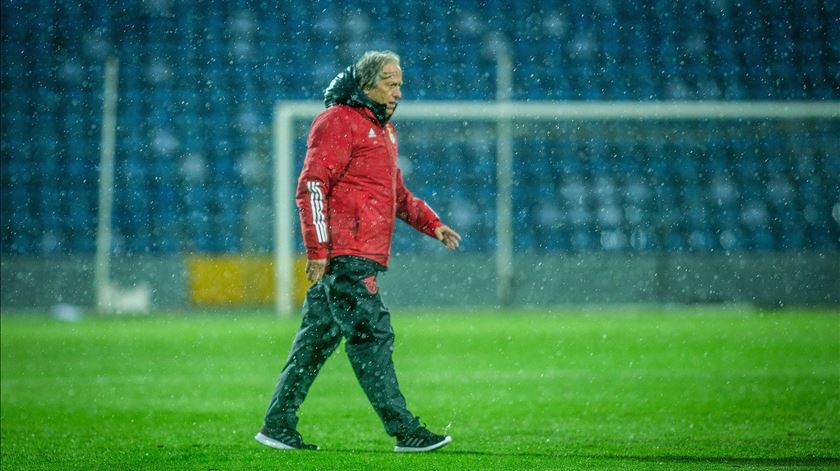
x=316 y=202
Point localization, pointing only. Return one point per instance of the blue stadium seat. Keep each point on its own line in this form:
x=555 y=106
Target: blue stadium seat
x=661 y=50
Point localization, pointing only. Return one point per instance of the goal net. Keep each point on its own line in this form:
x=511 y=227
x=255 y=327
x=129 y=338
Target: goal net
x=519 y=178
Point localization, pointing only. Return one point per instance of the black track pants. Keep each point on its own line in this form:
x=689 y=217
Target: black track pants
x=345 y=303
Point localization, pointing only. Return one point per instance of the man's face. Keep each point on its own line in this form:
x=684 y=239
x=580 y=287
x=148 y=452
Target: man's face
x=387 y=90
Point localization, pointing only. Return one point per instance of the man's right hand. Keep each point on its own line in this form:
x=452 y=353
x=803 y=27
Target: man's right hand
x=315 y=269
x=450 y=238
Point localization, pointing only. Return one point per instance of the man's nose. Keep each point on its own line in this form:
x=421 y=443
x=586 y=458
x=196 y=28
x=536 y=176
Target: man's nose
x=397 y=93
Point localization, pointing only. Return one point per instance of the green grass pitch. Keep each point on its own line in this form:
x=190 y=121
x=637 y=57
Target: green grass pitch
x=616 y=389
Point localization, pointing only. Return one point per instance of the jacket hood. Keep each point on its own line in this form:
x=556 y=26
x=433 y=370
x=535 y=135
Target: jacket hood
x=344 y=90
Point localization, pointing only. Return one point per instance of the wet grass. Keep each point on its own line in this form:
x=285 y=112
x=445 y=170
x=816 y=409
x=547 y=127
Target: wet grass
x=678 y=389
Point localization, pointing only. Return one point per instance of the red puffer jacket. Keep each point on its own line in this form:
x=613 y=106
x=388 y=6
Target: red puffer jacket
x=350 y=190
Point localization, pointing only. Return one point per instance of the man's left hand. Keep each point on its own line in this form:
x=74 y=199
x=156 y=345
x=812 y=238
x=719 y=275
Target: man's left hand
x=450 y=238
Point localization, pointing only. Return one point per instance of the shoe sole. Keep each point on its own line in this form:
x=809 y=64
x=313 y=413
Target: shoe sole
x=408 y=449
x=272 y=443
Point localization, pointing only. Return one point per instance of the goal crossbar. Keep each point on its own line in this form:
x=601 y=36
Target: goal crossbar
x=564 y=110
x=285 y=112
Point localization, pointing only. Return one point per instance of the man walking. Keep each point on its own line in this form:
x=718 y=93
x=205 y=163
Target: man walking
x=349 y=194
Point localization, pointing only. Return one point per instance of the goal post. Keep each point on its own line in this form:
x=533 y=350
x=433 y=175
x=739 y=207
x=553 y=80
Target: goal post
x=287 y=112
x=102 y=261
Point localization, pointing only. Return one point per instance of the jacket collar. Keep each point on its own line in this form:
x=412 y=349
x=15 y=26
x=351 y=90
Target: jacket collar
x=344 y=90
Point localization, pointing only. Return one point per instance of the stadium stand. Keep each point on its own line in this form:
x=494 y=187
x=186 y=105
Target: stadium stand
x=198 y=81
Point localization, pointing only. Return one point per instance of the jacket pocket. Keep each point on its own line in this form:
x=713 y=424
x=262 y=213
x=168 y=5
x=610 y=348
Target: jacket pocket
x=373 y=225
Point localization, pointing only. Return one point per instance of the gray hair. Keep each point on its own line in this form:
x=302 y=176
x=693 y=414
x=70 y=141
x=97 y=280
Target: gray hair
x=369 y=67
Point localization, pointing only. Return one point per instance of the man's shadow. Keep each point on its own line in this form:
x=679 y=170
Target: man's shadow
x=791 y=461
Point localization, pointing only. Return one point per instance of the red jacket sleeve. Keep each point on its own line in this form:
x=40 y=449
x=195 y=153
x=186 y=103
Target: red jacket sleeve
x=328 y=151
x=414 y=210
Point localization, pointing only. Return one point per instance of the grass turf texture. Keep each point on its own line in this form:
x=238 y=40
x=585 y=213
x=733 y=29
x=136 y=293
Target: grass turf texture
x=521 y=390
